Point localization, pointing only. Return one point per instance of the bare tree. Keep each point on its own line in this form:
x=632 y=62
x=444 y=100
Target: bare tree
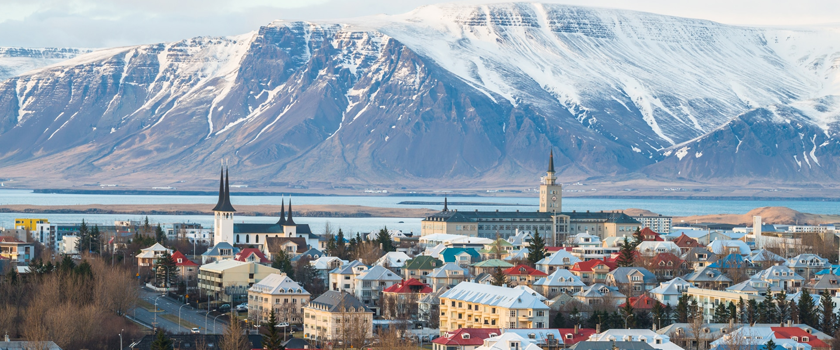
x=368 y=252
x=234 y=337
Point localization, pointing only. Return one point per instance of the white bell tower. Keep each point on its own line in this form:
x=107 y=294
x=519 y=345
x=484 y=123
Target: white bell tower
x=223 y=213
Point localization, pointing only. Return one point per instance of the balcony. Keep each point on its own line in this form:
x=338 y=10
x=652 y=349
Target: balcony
x=526 y=318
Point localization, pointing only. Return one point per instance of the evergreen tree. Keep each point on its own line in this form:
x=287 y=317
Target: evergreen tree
x=625 y=255
x=782 y=306
x=806 y=309
x=536 y=250
x=628 y=315
x=616 y=321
x=94 y=239
x=752 y=312
x=767 y=309
x=668 y=316
x=84 y=270
x=272 y=339
x=341 y=248
x=733 y=312
x=637 y=238
x=720 y=314
x=827 y=305
x=159 y=236
x=161 y=342
x=146 y=227
x=165 y=275
x=658 y=315
x=499 y=278
x=771 y=345
x=559 y=321
x=82 y=245
x=682 y=309
x=742 y=311
x=283 y=263
x=332 y=248
x=694 y=310
x=794 y=311
x=574 y=316
x=593 y=320
x=384 y=239
x=12 y=277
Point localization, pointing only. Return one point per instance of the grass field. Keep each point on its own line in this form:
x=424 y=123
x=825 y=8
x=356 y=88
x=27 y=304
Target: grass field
x=148 y=306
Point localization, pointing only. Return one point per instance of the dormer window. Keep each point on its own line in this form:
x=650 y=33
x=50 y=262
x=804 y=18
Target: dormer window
x=805 y=339
x=465 y=336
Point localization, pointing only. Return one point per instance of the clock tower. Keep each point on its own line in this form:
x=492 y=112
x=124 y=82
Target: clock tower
x=551 y=193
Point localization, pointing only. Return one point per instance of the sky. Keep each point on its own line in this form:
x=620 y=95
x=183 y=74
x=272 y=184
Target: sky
x=109 y=23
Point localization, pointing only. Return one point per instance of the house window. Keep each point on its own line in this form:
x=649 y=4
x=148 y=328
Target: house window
x=513 y=314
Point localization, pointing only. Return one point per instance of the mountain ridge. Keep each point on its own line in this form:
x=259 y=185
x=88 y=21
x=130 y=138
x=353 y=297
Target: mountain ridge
x=451 y=94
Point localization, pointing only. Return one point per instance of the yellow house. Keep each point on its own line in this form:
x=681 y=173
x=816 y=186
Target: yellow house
x=278 y=292
x=338 y=315
x=30 y=225
x=229 y=280
x=474 y=305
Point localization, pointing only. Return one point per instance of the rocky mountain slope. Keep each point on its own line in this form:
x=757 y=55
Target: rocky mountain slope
x=446 y=94
x=15 y=61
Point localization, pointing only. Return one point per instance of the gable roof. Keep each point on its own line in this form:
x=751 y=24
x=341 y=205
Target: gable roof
x=621 y=274
x=510 y=298
x=333 y=301
x=561 y=257
x=493 y=263
x=587 y=266
x=181 y=260
x=642 y=302
x=684 y=241
x=273 y=243
x=440 y=272
x=422 y=262
x=411 y=285
x=790 y=332
x=378 y=273
x=448 y=254
x=221 y=245
x=474 y=336
x=673 y=287
x=649 y=235
x=348 y=268
x=666 y=258
x=524 y=270
x=706 y=274
x=560 y=278
x=277 y=284
x=570 y=337
x=247 y=252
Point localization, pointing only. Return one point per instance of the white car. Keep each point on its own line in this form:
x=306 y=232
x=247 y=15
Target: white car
x=195 y=331
x=242 y=307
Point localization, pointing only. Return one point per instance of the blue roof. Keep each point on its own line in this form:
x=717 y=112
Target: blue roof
x=730 y=261
x=448 y=254
x=834 y=269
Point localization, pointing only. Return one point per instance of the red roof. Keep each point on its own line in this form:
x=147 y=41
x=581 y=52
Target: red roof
x=684 y=241
x=643 y=302
x=581 y=335
x=474 y=336
x=9 y=239
x=649 y=235
x=587 y=266
x=412 y=285
x=247 y=252
x=181 y=260
x=666 y=258
x=553 y=249
x=524 y=270
x=790 y=332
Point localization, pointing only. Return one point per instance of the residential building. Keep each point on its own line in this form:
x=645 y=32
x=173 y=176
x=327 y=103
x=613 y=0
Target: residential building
x=464 y=257
x=278 y=292
x=394 y=261
x=723 y=247
x=600 y=294
x=708 y=278
x=757 y=336
x=192 y=232
x=405 y=295
x=40 y=230
x=229 y=280
x=337 y=315
x=669 y=292
x=148 y=256
x=753 y=286
x=544 y=338
x=661 y=224
x=560 y=281
x=697 y=258
x=427 y=305
x=632 y=280
x=370 y=283
x=68 y=245
x=683 y=335
x=448 y=275
x=218 y=252
x=666 y=266
x=562 y=259
x=490 y=266
x=594 y=253
x=825 y=283
x=17 y=251
x=657 y=341
x=652 y=248
x=508 y=341
x=781 y=277
x=498 y=249
x=292 y=246
x=420 y=267
x=708 y=299
x=702 y=236
x=584 y=239
x=591 y=271
x=187 y=269
x=685 y=243
x=765 y=258
x=252 y=255
x=523 y=275
x=472 y=305
x=572 y=336
x=28 y=345
x=325 y=264
x=641 y=303
x=611 y=345
x=806 y=265
x=344 y=278
x=464 y=338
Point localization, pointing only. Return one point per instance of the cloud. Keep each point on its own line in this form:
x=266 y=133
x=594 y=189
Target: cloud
x=106 y=23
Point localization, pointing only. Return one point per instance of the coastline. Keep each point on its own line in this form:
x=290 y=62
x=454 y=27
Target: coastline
x=337 y=211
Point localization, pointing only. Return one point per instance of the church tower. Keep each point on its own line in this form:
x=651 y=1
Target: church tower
x=223 y=213
x=551 y=193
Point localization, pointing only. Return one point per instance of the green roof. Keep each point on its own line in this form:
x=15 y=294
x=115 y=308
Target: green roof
x=422 y=262
x=493 y=263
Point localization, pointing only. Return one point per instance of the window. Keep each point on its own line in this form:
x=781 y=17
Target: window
x=540 y=314
x=513 y=314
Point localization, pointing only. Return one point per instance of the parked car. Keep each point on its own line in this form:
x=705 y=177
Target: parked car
x=242 y=307
x=195 y=331
x=224 y=308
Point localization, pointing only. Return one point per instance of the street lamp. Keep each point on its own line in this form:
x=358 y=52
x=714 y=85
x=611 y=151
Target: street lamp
x=179 y=316
x=625 y=321
x=156 y=310
x=208 y=312
x=214 y=323
x=121 y=330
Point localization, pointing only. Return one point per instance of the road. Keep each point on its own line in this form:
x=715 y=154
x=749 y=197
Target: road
x=170 y=306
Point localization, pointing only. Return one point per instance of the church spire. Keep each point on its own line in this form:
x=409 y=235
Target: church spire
x=221 y=201
x=224 y=195
x=445 y=204
x=551 y=161
x=282 y=220
x=290 y=221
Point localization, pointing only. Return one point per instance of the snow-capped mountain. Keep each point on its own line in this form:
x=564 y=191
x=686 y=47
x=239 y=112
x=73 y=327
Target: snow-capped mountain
x=455 y=94
x=15 y=61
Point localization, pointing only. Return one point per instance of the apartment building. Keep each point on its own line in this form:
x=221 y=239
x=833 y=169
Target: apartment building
x=278 y=292
x=708 y=299
x=336 y=315
x=473 y=305
x=229 y=280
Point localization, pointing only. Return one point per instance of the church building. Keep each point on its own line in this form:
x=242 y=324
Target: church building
x=552 y=223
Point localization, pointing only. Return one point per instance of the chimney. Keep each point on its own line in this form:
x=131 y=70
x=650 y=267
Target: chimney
x=597 y=328
x=577 y=328
x=789 y=323
x=731 y=324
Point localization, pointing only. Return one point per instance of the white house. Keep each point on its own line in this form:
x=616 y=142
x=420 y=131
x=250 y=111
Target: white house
x=669 y=292
x=657 y=341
